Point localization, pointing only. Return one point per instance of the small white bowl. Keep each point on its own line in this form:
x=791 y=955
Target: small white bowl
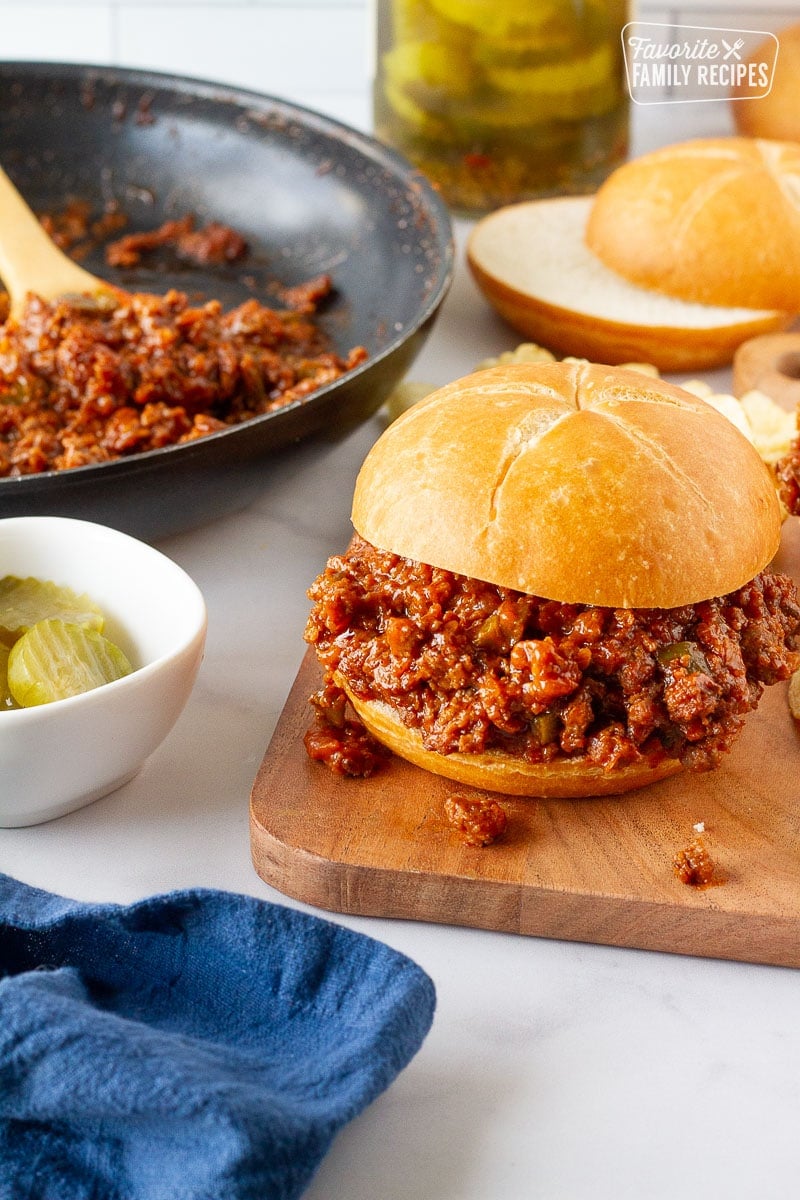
x=57 y=757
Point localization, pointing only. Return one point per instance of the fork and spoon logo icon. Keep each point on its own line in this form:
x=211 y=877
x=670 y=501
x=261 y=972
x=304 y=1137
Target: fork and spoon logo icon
x=733 y=51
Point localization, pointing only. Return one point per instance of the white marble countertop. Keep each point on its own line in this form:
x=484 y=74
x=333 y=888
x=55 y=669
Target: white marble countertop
x=553 y=1070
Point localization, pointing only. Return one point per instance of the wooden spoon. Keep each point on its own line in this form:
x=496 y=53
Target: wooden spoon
x=31 y=262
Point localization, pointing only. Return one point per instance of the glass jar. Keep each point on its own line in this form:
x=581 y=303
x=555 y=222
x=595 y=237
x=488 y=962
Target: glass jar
x=503 y=100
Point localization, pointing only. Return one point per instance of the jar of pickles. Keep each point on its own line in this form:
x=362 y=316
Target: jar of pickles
x=503 y=100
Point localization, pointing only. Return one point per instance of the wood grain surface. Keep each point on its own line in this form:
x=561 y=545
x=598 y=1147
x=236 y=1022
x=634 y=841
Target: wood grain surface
x=595 y=870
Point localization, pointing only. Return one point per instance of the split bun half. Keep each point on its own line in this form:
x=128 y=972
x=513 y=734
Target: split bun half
x=681 y=256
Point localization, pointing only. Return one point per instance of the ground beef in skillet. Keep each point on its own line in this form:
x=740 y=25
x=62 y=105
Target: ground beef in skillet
x=83 y=384
x=474 y=666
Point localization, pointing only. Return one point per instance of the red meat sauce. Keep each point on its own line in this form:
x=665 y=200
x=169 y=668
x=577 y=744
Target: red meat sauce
x=214 y=244
x=473 y=666
x=478 y=820
x=77 y=229
x=787 y=470
x=340 y=740
x=695 y=867
x=84 y=383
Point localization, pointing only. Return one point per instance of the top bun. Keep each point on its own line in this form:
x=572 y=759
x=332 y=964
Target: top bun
x=573 y=482
x=776 y=115
x=714 y=221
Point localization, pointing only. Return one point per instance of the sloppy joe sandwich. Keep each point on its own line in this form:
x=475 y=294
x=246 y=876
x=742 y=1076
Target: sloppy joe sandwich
x=559 y=584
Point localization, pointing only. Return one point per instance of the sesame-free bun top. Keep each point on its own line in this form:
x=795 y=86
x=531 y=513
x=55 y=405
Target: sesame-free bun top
x=574 y=482
x=713 y=221
x=777 y=114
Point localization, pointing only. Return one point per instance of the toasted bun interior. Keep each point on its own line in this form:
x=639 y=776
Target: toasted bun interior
x=574 y=482
x=712 y=221
x=500 y=772
x=532 y=263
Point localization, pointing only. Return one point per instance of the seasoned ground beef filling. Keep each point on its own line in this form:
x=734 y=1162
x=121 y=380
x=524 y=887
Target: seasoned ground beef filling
x=788 y=473
x=83 y=384
x=473 y=666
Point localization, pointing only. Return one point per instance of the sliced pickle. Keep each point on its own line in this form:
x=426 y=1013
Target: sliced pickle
x=687 y=654
x=517 y=113
x=427 y=70
x=419 y=123
x=515 y=53
x=574 y=74
x=501 y=18
x=545 y=727
x=6 y=699
x=558 y=36
x=413 y=20
x=56 y=659
x=23 y=602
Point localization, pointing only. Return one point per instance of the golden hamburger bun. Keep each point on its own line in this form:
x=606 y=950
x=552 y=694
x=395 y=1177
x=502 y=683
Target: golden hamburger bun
x=572 y=481
x=532 y=263
x=713 y=221
x=776 y=115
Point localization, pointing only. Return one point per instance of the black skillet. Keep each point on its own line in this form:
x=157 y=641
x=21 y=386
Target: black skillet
x=309 y=195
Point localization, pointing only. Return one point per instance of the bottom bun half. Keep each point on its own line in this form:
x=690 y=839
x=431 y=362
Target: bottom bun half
x=495 y=771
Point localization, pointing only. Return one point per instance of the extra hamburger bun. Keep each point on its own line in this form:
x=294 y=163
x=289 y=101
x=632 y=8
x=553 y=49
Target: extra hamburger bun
x=573 y=482
x=776 y=115
x=713 y=221
x=532 y=263
x=681 y=256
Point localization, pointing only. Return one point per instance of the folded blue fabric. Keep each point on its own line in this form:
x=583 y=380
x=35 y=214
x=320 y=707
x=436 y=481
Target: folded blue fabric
x=194 y=1046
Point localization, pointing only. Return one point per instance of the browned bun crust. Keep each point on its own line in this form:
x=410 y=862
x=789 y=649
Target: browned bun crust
x=715 y=221
x=776 y=115
x=574 y=482
x=770 y=364
x=497 y=771
x=571 y=332
x=531 y=263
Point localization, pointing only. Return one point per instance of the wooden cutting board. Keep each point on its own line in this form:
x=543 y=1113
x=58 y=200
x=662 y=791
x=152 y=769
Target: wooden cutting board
x=596 y=870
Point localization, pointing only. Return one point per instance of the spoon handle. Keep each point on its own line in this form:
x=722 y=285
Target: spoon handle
x=29 y=260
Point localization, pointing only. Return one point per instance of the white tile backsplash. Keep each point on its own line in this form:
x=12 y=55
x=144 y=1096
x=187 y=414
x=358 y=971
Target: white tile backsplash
x=80 y=32
x=285 y=50
x=311 y=51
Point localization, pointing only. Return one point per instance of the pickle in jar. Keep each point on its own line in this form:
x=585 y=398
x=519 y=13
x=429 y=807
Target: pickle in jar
x=501 y=18
x=499 y=101
x=24 y=601
x=430 y=70
x=417 y=20
x=57 y=659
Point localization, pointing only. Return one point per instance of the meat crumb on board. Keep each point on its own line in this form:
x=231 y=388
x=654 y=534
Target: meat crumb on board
x=694 y=865
x=479 y=820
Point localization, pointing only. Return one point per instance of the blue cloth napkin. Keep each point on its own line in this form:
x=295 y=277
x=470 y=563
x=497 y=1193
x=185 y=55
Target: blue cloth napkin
x=194 y=1046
